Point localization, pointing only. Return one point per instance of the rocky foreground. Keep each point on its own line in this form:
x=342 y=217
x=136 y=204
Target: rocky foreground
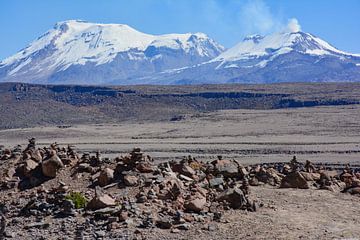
x=56 y=193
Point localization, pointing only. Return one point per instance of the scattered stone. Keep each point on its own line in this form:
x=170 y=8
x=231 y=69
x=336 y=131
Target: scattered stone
x=294 y=180
x=164 y=222
x=100 y=234
x=196 y=205
x=211 y=227
x=106 y=177
x=215 y=182
x=85 y=167
x=130 y=180
x=51 y=166
x=38 y=225
x=234 y=196
x=172 y=195
x=101 y=200
x=226 y=168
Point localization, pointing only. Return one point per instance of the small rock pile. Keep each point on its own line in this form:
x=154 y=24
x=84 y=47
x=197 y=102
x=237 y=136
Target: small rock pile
x=33 y=166
x=306 y=175
x=132 y=191
x=128 y=191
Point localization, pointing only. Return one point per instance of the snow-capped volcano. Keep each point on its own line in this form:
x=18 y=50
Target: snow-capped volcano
x=286 y=56
x=82 y=52
x=265 y=48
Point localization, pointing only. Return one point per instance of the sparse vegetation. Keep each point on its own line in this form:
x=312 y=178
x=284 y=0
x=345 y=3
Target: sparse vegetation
x=78 y=199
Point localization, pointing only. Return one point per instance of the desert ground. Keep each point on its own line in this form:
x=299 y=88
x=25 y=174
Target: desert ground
x=320 y=134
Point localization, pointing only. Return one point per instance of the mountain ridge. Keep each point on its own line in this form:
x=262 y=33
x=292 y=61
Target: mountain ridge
x=71 y=44
x=79 y=52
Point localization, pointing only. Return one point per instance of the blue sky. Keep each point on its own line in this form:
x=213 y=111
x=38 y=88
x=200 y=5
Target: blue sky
x=226 y=21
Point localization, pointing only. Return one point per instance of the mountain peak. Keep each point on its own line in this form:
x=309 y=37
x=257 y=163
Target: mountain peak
x=77 y=44
x=257 y=46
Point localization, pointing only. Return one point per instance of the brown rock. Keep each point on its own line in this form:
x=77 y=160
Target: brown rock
x=226 y=168
x=123 y=215
x=196 y=204
x=187 y=171
x=28 y=167
x=354 y=190
x=171 y=188
x=51 y=165
x=329 y=174
x=130 y=180
x=254 y=181
x=310 y=176
x=294 y=180
x=144 y=167
x=234 y=196
x=106 y=177
x=101 y=201
x=36 y=155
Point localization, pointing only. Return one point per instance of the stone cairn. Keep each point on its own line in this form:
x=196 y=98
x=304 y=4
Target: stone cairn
x=171 y=195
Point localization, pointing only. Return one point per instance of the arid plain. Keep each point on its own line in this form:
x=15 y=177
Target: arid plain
x=322 y=134
x=319 y=134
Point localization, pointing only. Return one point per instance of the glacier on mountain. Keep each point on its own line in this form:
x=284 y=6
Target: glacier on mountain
x=78 y=52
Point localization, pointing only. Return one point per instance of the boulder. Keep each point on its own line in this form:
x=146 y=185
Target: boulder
x=106 y=177
x=130 y=180
x=187 y=171
x=226 y=168
x=215 y=182
x=234 y=196
x=51 y=166
x=171 y=188
x=311 y=176
x=275 y=175
x=85 y=167
x=254 y=181
x=294 y=180
x=36 y=155
x=144 y=167
x=196 y=204
x=334 y=186
x=101 y=201
x=28 y=166
x=164 y=222
x=354 y=190
x=328 y=174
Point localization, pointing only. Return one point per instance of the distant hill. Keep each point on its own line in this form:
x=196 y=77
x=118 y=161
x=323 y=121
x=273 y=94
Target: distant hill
x=28 y=105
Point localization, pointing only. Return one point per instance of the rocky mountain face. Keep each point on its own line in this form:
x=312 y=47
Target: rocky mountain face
x=87 y=53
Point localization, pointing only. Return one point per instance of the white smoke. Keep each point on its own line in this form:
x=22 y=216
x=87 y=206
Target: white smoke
x=293 y=25
x=256 y=17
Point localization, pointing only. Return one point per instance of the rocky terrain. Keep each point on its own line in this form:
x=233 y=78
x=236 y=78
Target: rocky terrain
x=46 y=105
x=216 y=162
x=55 y=193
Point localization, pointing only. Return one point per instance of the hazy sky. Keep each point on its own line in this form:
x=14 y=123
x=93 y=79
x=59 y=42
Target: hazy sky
x=227 y=21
